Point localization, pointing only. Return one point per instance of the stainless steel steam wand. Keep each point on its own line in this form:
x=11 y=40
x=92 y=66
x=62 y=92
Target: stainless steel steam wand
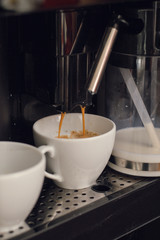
x=103 y=54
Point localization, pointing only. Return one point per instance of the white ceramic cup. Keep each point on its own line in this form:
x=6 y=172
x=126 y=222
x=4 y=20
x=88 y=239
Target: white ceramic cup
x=77 y=163
x=22 y=169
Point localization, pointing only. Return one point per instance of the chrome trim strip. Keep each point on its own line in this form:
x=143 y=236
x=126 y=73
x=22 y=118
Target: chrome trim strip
x=138 y=166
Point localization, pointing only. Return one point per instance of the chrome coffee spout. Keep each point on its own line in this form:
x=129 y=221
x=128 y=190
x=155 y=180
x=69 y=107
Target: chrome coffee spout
x=103 y=54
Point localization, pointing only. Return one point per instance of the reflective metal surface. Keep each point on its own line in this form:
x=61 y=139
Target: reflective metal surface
x=101 y=61
x=139 y=166
x=134 y=168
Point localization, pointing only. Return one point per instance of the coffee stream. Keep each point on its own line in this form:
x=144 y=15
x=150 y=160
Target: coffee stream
x=75 y=134
x=83 y=120
x=60 y=124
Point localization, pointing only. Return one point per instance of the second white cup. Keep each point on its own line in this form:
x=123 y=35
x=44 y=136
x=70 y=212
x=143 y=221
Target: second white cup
x=22 y=171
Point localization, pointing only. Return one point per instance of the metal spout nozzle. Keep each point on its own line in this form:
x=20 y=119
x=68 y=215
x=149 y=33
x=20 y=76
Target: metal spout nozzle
x=103 y=54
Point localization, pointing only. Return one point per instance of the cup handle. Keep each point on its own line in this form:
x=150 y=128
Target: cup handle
x=51 y=151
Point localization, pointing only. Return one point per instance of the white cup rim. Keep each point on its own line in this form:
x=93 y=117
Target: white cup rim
x=27 y=170
x=75 y=139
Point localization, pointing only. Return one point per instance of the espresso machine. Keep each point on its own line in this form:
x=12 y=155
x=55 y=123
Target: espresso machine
x=58 y=60
x=58 y=55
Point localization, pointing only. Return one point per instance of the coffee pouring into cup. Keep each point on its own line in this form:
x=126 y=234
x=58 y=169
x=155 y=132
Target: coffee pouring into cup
x=77 y=162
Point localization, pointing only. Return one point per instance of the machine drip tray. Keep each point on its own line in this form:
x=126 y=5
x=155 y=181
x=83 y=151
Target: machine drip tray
x=54 y=203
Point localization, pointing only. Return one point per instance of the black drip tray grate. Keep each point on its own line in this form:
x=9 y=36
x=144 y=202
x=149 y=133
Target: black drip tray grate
x=55 y=202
